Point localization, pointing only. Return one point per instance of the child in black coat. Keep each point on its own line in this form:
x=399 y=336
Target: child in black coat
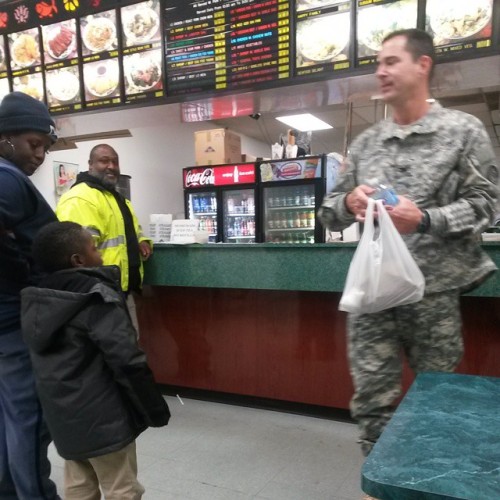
x=96 y=389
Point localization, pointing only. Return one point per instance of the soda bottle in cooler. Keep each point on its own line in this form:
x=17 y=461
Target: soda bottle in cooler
x=303 y=219
x=196 y=204
x=310 y=217
x=214 y=204
x=298 y=198
x=305 y=197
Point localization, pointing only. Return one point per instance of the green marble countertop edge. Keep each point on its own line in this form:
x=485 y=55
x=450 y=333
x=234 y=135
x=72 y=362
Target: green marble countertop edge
x=269 y=266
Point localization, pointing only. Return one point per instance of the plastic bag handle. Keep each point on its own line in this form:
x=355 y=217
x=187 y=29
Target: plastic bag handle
x=369 y=226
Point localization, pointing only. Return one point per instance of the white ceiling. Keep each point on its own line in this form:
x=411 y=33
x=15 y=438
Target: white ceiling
x=471 y=86
x=266 y=128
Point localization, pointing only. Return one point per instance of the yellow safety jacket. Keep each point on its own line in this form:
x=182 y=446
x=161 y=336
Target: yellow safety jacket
x=98 y=211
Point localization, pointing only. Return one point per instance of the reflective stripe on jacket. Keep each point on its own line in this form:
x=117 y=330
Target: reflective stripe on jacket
x=98 y=211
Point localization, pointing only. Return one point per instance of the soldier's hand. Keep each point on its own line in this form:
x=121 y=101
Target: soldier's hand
x=405 y=215
x=357 y=200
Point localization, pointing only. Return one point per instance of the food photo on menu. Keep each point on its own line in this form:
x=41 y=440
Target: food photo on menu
x=323 y=39
x=452 y=22
x=142 y=72
x=59 y=41
x=29 y=84
x=375 y=22
x=24 y=48
x=101 y=79
x=63 y=86
x=140 y=23
x=4 y=87
x=314 y=4
x=99 y=32
x=3 y=59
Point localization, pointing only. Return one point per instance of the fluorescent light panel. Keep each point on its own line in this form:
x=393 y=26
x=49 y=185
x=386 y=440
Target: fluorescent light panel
x=304 y=122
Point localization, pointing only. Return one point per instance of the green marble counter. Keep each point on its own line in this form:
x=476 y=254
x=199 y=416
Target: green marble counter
x=267 y=266
x=443 y=442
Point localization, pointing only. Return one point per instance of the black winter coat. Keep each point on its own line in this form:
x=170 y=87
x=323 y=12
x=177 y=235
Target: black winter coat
x=96 y=389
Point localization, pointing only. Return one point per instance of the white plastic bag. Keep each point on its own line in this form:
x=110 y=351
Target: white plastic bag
x=382 y=274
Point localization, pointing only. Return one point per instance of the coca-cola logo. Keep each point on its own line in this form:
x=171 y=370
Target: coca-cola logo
x=203 y=178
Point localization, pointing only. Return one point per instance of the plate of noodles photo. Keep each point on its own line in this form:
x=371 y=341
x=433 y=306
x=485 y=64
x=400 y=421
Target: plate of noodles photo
x=99 y=34
x=322 y=39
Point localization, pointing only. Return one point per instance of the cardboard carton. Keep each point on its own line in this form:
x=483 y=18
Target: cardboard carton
x=213 y=147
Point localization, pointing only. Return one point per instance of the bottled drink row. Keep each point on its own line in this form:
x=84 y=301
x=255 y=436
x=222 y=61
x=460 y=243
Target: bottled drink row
x=300 y=197
x=240 y=205
x=290 y=237
x=208 y=224
x=203 y=204
x=291 y=219
x=240 y=226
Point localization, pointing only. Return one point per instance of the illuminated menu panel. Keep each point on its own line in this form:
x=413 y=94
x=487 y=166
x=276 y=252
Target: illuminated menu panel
x=323 y=30
x=226 y=45
x=101 y=68
x=4 y=75
x=376 y=19
x=142 y=55
x=459 y=27
x=62 y=72
x=26 y=62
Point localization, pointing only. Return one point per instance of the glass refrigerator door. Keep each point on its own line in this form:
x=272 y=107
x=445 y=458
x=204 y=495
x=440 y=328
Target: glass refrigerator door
x=289 y=215
x=203 y=207
x=239 y=216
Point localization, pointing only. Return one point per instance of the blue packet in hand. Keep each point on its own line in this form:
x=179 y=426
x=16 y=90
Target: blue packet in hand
x=387 y=194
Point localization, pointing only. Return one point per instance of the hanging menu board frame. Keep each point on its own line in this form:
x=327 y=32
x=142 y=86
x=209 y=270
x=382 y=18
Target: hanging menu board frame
x=194 y=49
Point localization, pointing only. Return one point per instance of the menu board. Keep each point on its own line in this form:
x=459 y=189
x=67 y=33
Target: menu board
x=4 y=75
x=26 y=62
x=459 y=27
x=376 y=19
x=101 y=68
x=142 y=55
x=62 y=73
x=323 y=31
x=226 y=45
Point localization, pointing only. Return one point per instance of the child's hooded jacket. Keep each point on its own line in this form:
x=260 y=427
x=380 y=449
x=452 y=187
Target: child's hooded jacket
x=96 y=389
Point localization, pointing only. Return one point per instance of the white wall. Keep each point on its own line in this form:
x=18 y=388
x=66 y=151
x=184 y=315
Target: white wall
x=160 y=146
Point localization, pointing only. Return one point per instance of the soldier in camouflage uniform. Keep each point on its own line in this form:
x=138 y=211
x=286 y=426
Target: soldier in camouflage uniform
x=441 y=164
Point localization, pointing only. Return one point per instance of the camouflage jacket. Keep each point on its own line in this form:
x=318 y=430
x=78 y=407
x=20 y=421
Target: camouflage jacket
x=445 y=163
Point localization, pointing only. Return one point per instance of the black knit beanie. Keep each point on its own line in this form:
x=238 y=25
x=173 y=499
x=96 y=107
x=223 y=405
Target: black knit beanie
x=20 y=112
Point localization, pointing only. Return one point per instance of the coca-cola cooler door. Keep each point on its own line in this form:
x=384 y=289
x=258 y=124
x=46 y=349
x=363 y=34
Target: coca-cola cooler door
x=202 y=206
x=239 y=216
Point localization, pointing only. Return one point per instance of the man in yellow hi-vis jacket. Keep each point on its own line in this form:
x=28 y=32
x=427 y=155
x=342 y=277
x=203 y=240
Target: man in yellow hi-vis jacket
x=94 y=202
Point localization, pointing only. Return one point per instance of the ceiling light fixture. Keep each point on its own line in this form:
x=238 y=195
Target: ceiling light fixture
x=304 y=122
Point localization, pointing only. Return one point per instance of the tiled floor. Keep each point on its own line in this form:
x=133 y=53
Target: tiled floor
x=213 y=451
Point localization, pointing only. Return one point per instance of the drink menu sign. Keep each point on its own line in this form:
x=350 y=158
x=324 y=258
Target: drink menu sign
x=322 y=36
x=459 y=27
x=226 y=45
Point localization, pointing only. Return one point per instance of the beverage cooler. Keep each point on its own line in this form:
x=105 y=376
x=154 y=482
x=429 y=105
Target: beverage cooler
x=222 y=198
x=291 y=192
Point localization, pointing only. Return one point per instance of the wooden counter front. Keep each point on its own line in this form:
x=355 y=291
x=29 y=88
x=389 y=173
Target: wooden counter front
x=280 y=344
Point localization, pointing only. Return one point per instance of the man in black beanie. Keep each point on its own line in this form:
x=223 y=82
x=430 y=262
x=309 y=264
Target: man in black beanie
x=26 y=133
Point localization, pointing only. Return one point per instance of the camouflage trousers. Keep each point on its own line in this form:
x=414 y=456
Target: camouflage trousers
x=428 y=333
